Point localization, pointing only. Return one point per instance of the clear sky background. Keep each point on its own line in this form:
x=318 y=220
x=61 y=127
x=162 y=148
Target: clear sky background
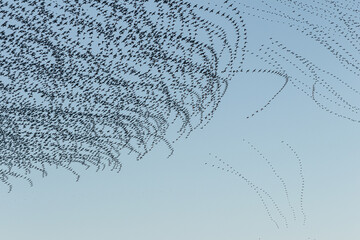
x=181 y=197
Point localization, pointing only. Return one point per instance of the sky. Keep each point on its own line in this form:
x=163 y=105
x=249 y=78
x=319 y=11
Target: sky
x=186 y=197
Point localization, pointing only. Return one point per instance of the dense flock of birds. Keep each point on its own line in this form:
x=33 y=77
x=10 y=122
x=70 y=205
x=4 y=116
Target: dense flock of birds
x=90 y=82
x=83 y=82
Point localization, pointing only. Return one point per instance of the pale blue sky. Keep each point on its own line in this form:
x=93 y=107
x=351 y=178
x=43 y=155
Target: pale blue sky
x=179 y=198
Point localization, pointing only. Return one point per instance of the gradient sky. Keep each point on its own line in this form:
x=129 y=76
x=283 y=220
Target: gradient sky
x=177 y=198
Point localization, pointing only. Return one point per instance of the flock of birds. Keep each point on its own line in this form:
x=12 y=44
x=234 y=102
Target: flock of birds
x=83 y=82
x=332 y=26
x=267 y=199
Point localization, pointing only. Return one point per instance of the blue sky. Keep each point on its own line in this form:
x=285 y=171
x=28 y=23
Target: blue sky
x=181 y=197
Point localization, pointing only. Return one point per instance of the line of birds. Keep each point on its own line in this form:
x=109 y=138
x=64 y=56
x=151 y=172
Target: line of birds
x=332 y=25
x=224 y=166
x=302 y=178
x=265 y=196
